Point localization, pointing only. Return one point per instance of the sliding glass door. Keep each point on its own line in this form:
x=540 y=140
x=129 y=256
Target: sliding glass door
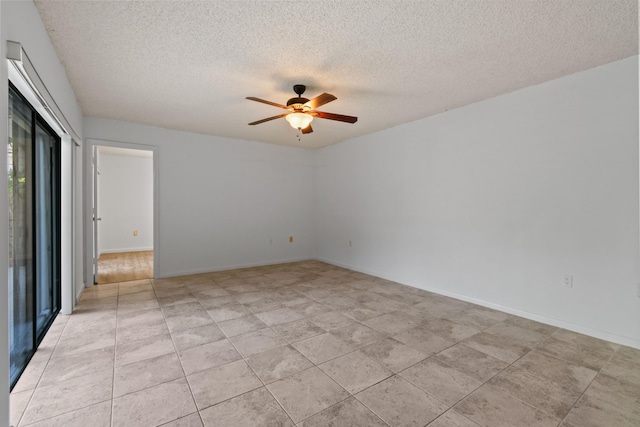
x=34 y=230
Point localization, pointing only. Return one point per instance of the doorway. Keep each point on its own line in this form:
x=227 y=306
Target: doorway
x=123 y=212
x=34 y=229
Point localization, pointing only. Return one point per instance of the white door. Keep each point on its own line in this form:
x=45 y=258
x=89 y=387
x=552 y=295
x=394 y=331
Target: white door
x=96 y=218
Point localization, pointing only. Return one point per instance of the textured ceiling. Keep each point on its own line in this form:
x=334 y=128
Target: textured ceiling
x=189 y=65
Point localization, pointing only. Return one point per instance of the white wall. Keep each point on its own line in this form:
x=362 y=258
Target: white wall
x=21 y=22
x=125 y=203
x=496 y=201
x=220 y=200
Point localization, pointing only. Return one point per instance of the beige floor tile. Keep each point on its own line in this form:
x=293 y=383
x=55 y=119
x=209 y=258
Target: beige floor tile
x=212 y=303
x=450 y=330
x=355 y=371
x=146 y=295
x=257 y=342
x=444 y=346
x=349 y=412
x=218 y=384
x=574 y=353
x=176 y=299
x=298 y=330
x=336 y=302
x=17 y=404
x=81 y=343
x=628 y=353
x=331 y=320
x=64 y=368
x=276 y=317
x=278 y=363
x=192 y=420
x=207 y=356
x=241 y=325
x=489 y=406
x=146 y=373
x=135 y=318
x=185 y=316
x=323 y=347
x=187 y=338
x=393 y=354
x=498 y=347
x=545 y=382
x=31 y=375
x=424 y=341
x=262 y=305
x=592 y=412
x=154 y=406
x=472 y=362
x=228 y=312
x=452 y=418
x=440 y=380
x=516 y=334
x=360 y=312
x=581 y=340
x=358 y=335
x=137 y=305
x=98 y=415
x=307 y=393
x=309 y=308
x=384 y=305
x=145 y=348
x=255 y=408
x=625 y=369
x=400 y=403
x=66 y=396
x=479 y=317
x=143 y=330
x=616 y=395
x=128 y=288
x=393 y=323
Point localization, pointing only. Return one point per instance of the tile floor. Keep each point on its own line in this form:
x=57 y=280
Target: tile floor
x=310 y=344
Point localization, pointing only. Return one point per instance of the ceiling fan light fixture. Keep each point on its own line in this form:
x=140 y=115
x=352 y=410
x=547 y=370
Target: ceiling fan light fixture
x=299 y=120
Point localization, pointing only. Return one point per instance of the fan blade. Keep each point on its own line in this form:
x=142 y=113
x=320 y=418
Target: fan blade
x=308 y=129
x=338 y=117
x=319 y=100
x=267 y=119
x=252 y=98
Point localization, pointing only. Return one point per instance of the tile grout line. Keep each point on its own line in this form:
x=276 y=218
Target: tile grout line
x=43 y=370
x=193 y=398
x=587 y=387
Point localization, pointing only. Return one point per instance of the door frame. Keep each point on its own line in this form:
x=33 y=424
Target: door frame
x=88 y=222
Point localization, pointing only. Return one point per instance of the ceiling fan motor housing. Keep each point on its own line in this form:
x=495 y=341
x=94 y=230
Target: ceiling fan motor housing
x=297 y=103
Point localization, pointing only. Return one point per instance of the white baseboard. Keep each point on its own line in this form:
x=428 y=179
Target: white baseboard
x=604 y=335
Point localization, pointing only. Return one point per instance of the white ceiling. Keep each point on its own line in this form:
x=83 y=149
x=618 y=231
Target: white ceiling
x=189 y=65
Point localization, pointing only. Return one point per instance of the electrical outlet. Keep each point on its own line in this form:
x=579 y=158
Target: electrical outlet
x=290 y=239
x=349 y=243
x=271 y=240
x=568 y=281
x=135 y=232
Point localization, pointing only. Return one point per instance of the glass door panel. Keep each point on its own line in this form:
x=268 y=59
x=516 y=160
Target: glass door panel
x=46 y=218
x=20 y=235
x=34 y=230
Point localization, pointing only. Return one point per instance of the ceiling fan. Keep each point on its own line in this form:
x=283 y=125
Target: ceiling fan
x=303 y=110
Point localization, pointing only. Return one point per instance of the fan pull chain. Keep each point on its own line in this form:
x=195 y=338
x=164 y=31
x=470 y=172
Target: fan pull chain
x=298 y=134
